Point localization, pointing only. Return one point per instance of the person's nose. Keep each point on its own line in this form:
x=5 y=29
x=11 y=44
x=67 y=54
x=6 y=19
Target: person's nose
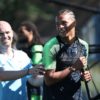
x=4 y=34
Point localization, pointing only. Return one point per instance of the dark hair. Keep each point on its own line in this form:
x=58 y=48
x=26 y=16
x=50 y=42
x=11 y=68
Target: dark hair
x=32 y=27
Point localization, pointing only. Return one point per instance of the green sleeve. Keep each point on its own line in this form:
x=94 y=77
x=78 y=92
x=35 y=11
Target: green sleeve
x=37 y=53
x=49 y=54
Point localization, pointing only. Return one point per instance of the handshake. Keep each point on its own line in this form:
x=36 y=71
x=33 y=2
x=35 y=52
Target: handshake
x=36 y=70
x=37 y=77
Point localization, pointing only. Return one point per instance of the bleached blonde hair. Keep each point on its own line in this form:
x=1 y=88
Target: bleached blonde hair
x=67 y=11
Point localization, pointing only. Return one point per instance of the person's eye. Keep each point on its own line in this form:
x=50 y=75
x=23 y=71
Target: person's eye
x=64 y=23
x=7 y=32
x=1 y=33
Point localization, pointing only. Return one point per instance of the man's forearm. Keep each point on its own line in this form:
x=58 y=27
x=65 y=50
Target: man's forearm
x=12 y=75
x=55 y=77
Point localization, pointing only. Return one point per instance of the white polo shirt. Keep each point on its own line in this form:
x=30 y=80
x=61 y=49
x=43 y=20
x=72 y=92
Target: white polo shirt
x=15 y=89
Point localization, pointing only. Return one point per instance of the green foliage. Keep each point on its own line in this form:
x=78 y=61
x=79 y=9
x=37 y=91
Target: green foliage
x=16 y=11
x=34 y=12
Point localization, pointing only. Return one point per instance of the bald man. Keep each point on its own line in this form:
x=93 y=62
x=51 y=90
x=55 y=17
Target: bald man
x=15 y=67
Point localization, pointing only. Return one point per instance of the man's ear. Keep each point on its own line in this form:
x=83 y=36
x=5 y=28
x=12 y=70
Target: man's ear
x=15 y=38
